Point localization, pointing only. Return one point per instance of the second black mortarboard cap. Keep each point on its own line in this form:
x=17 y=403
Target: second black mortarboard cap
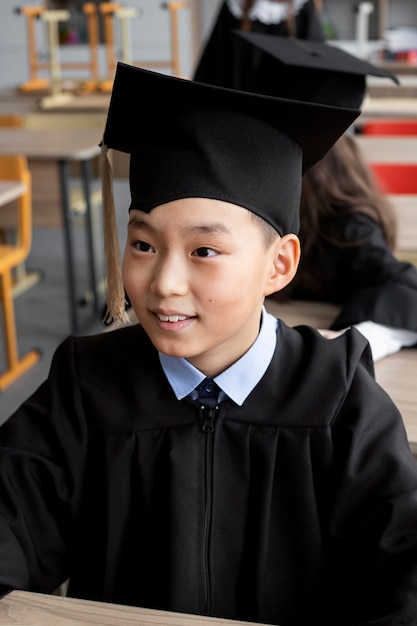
x=308 y=70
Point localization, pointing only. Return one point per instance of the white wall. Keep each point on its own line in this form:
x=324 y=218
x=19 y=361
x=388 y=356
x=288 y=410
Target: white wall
x=402 y=13
x=204 y=14
x=13 y=64
x=208 y=12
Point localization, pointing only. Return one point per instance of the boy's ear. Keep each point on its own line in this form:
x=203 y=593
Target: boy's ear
x=285 y=260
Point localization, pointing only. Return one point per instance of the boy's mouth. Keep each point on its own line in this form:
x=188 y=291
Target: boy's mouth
x=171 y=318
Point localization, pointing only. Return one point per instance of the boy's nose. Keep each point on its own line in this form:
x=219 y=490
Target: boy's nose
x=170 y=278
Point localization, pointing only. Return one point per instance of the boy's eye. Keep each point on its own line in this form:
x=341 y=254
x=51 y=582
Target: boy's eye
x=204 y=252
x=142 y=246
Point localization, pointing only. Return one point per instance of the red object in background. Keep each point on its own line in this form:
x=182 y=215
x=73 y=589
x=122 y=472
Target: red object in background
x=396 y=178
x=406 y=55
x=390 y=127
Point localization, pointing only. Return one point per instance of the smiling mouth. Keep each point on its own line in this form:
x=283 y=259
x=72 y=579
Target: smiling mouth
x=171 y=318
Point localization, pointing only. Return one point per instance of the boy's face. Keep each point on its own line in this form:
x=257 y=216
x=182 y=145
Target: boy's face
x=197 y=271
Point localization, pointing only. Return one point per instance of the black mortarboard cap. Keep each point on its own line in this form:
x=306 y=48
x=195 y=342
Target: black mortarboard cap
x=310 y=71
x=188 y=139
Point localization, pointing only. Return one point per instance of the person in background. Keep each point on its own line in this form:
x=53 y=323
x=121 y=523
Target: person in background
x=211 y=459
x=347 y=225
x=223 y=62
x=348 y=236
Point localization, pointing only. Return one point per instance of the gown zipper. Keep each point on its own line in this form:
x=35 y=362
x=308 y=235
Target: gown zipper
x=209 y=415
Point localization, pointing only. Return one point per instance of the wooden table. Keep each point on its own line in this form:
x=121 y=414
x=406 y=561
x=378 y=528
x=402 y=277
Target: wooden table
x=26 y=103
x=61 y=147
x=388 y=149
x=397 y=373
x=23 y=608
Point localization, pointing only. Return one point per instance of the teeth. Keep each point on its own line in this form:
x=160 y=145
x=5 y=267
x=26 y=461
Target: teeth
x=172 y=318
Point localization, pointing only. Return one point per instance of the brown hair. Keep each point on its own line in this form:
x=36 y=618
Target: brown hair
x=340 y=184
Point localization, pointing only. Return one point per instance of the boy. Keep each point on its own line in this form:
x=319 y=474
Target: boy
x=212 y=460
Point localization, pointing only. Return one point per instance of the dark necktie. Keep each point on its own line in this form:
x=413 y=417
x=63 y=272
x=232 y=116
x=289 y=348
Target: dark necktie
x=208 y=392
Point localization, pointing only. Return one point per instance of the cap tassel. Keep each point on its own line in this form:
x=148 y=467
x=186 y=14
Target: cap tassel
x=116 y=301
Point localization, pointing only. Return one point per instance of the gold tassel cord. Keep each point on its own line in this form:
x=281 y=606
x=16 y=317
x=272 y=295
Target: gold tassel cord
x=116 y=301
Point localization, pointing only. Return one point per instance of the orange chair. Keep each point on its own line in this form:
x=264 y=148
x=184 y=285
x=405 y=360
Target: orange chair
x=15 y=168
x=21 y=278
x=390 y=127
x=396 y=178
x=9 y=120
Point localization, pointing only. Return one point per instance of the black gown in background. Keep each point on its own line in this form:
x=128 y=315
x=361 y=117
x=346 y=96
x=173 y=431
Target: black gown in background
x=227 y=62
x=360 y=273
x=299 y=507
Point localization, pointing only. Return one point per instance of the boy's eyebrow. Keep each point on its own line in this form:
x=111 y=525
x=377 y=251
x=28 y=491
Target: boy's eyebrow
x=205 y=229
x=137 y=222
x=208 y=228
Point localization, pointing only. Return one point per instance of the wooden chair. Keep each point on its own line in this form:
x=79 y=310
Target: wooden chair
x=8 y=121
x=15 y=168
x=21 y=279
x=109 y=11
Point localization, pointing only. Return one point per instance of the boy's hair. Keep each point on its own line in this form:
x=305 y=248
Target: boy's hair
x=269 y=233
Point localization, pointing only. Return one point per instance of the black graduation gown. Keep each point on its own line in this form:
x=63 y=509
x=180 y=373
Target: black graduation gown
x=300 y=507
x=366 y=279
x=227 y=62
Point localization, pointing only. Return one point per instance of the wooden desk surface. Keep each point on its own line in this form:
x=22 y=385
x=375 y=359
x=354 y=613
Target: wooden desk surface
x=70 y=143
x=388 y=149
x=397 y=373
x=12 y=102
x=10 y=191
x=22 y=608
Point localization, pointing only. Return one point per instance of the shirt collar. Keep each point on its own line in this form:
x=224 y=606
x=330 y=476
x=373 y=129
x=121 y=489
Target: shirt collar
x=239 y=379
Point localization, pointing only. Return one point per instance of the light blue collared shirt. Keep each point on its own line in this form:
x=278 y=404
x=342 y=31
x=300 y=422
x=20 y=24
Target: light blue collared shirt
x=239 y=379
